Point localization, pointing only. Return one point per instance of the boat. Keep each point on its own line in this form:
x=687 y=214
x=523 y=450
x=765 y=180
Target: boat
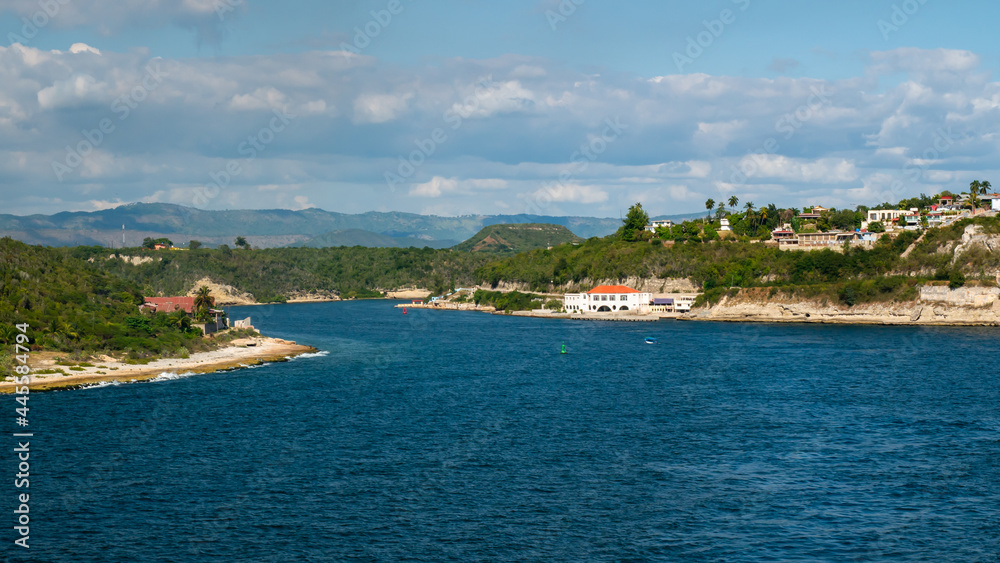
x=650 y=340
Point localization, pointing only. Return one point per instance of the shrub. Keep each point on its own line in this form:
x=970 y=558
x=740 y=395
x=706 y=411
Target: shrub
x=956 y=280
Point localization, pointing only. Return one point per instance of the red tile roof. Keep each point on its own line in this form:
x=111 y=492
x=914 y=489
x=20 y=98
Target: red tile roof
x=170 y=304
x=613 y=289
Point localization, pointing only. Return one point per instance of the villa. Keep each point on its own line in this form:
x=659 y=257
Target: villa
x=608 y=299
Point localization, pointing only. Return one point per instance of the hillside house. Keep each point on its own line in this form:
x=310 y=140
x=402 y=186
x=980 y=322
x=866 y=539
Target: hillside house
x=885 y=216
x=653 y=225
x=171 y=304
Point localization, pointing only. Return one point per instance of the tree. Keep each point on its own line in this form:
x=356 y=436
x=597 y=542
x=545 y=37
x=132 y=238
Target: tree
x=709 y=205
x=241 y=242
x=876 y=227
x=720 y=212
x=975 y=189
x=194 y=245
x=734 y=201
x=750 y=216
x=762 y=217
x=151 y=243
x=634 y=223
x=203 y=300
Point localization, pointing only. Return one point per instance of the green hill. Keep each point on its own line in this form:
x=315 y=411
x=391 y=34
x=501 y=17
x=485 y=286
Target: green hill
x=514 y=238
x=70 y=306
x=360 y=237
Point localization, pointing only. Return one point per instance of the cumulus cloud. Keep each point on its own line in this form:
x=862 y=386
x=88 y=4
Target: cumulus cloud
x=573 y=193
x=439 y=186
x=466 y=132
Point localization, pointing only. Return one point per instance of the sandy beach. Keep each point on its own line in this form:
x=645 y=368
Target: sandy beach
x=237 y=355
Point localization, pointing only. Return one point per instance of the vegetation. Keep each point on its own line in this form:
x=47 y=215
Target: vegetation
x=72 y=307
x=271 y=275
x=514 y=238
x=150 y=243
x=512 y=301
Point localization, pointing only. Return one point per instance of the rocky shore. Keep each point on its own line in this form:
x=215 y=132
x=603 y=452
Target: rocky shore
x=239 y=354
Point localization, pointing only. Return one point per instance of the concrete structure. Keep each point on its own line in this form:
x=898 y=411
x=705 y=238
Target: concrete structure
x=662 y=305
x=608 y=299
x=783 y=233
x=725 y=225
x=994 y=200
x=242 y=323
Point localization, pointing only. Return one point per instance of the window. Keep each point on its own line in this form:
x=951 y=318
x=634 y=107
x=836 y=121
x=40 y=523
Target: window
x=604 y=298
x=612 y=297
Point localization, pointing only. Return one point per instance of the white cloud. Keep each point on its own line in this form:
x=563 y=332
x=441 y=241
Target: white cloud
x=574 y=193
x=439 y=186
x=380 y=108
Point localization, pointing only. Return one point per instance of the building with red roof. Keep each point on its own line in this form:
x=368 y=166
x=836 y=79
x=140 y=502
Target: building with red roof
x=608 y=299
x=169 y=304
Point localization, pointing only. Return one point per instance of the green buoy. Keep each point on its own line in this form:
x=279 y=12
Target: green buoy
x=563 y=349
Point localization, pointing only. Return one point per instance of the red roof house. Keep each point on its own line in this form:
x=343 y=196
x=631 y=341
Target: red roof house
x=169 y=304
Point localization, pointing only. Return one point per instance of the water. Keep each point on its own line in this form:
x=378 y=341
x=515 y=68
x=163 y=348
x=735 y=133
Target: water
x=442 y=436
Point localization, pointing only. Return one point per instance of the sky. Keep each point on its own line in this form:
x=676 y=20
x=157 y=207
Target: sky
x=458 y=107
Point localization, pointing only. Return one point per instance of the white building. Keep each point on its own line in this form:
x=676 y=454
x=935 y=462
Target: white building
x=885 y=216
x=608 y=299
x=725 y=225
x=666 y=223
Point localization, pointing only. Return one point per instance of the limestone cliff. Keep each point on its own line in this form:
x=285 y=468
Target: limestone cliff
x=937 y=305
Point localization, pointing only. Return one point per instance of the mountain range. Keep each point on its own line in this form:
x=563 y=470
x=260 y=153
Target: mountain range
x=268 y=228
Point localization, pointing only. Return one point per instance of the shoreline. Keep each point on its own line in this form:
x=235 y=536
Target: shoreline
x=235 y=356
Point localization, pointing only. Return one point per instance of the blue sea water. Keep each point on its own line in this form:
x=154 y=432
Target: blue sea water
x=444 y=436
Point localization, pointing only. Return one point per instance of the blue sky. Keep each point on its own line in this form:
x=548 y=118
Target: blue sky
x=559 y=107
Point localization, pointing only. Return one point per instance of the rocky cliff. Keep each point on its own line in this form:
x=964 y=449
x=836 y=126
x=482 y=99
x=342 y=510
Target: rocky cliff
x=937 y=305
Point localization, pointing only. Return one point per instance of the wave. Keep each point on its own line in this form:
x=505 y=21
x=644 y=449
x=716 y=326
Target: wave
x=169 y=376
x=319 y=354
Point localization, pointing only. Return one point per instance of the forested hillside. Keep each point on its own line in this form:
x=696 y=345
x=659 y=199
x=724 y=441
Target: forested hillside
x=71 y=306
x=515 y=238
x=272 y=274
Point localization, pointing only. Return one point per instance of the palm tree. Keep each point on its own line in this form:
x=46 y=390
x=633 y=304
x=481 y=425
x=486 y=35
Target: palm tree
x=721 y=210
x=203 y=299
x=974 y=190
x=734 y=201
x=762 y=216
x=749 y=214
x=709 y=205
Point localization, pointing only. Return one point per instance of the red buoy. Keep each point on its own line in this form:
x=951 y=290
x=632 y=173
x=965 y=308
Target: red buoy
x=404 y=310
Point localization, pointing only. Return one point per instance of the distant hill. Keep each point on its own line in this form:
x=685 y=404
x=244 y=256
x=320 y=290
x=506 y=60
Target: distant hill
x=263 y=228
x=511 y=239
x=358 y=237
